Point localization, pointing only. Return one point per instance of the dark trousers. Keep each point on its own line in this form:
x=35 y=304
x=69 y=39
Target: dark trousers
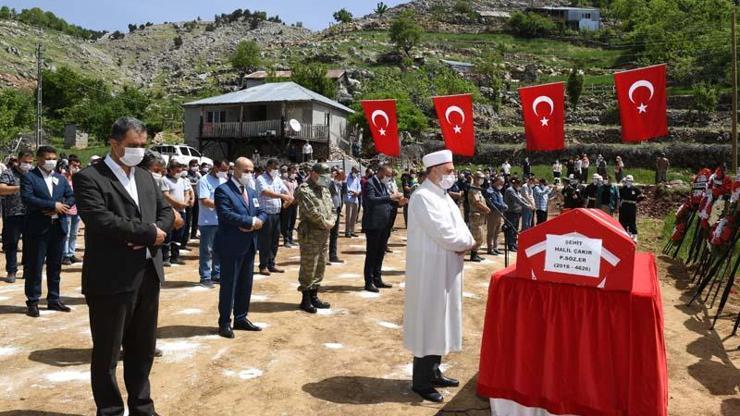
x=269 y=239
x=287 y=222
x=193 y=219
x=333 y=237
x=12 y=232
x=406 y=216
x=426 y=370
x=130 y=320
x=376 y=244
x=39 y=249
x=171 y=246
x=511 y=233
x=183 y=234
x=541 y=216
x=235 y=292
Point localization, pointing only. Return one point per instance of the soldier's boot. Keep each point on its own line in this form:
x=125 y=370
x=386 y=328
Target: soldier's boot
x=306 y=302
x=316 y=302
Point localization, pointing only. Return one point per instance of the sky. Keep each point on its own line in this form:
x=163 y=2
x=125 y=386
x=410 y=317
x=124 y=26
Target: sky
x=117 y=14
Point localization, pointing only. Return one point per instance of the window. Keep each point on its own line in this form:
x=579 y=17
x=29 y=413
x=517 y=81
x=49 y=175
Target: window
x=587 y=15
x=184 y=151
x=194 y=153
x=216 y=116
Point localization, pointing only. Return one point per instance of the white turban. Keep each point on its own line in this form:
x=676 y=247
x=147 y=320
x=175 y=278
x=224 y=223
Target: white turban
x=437 y=158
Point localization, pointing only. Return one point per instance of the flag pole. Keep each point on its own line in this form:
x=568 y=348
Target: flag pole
x=734 y=89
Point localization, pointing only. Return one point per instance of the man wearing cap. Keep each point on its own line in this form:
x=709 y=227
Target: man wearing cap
x=572 y=194
x=591 y=193
x=478 y=212
x=318 y=217
x=437 y=242
x=629 y=196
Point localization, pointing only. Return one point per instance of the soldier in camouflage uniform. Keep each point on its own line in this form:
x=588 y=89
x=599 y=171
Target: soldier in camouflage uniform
x=318 y=217
x=478 y=213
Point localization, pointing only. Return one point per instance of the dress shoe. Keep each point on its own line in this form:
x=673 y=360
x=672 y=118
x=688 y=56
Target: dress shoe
x=371 y=288
x=336 y=260
x=382 y=285
x=180 y=262
x=216 y=280
x=66 y=261
x=430 y=394
x=58 y=306
x=264 y=272
x=387 y=250
x=207 y=283
x=32 y=310
x=166 y=264
x=497 y=252
x=355 y=235
x=246 y=325
x=10 y=278
x=316 y=302
x=474 y=257
x=226 y=332
x=158 y=352
x=442 y=381
x=306 y=304
x=74 y=259
x=275 y=270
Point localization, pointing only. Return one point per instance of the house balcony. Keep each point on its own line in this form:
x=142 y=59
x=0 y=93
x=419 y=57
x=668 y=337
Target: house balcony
x=263 y=129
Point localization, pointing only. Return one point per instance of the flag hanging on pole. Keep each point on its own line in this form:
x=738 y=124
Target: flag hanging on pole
x=455 y=114
x=643 y=109
x=543 y=109
x=382 y=120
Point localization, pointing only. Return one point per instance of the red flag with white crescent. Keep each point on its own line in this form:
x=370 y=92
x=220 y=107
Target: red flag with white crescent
x=382 y=120
x=543 y=109
x=455 y=114
x=643 y=108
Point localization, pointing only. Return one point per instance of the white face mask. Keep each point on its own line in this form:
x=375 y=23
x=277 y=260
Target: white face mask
x=74 y=170
x=274 y=173
x=222 y=175
x=387 y=180
x=25 y=167
x=132 y=156
x=628 y=184
x=447 y=182
x=247 y=180
x=49 y=165
x=157 y=176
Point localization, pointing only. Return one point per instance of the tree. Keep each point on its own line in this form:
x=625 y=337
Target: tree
x=704 y=99
x=117 y=35
x=381 y=8
x=131 y=28
x=530 y=25
x=246 y=58
x=178 y=42
x=405 y=32
x=313 y=76
x=343 y=16
x=5 y=12
x=491 y=77
x=16 y=112
x=575 y=86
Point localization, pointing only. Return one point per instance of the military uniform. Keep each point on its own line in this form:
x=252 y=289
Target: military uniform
x=628 y=209
x=591 y=195
x=317 y=217
x=572 y=197
x=477 y=220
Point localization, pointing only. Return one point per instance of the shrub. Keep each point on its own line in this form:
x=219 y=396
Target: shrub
x=343 y=16
x=705 y=99
x=530 y=25
x=405 y=32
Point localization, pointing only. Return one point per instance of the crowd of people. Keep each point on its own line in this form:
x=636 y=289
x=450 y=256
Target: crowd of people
x=145 y=212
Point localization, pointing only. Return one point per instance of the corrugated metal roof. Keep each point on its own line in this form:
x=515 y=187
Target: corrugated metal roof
x=566 y=8
x=330 y=73
x=270 y=93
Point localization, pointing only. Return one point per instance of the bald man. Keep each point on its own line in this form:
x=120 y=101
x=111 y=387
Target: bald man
x=240 y=217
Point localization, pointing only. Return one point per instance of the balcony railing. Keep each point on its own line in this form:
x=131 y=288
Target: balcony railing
x=266 y=128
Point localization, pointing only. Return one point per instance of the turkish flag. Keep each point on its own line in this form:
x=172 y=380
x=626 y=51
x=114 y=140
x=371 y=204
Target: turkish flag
x=642 y=103
x=543 y=109
x=455 y=114
x=381 y=117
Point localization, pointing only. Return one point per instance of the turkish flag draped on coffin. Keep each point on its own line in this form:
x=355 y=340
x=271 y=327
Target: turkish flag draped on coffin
x=642 y=103
x=543 y=108
x=455 y=114
x=381 y=117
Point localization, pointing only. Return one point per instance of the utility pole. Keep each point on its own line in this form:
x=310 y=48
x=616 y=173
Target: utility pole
x=39 y=82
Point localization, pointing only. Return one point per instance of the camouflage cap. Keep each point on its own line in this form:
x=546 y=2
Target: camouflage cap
x=321 y=169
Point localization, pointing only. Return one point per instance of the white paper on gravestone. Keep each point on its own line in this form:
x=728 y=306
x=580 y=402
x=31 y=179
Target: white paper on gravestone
x=573 y=254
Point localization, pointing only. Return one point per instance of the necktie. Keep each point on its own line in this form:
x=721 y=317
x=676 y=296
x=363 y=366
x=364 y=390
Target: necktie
x=244 y=195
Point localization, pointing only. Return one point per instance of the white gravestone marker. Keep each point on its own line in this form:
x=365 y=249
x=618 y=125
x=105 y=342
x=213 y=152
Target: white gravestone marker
x=570 y=254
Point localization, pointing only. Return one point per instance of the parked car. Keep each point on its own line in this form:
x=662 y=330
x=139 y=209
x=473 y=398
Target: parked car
x=182 y=153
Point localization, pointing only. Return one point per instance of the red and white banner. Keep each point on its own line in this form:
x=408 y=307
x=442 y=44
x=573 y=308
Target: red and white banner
x=543 y=109
x=382 y=120
x=642 y=103
x=455 y=114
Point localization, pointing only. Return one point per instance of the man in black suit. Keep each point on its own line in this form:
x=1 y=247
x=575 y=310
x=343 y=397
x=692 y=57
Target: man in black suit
x=126 y=220
x=47 y=197
x=378 y=204
x=240 y=217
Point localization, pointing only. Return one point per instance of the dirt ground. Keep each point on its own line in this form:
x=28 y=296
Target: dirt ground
x=347 y=361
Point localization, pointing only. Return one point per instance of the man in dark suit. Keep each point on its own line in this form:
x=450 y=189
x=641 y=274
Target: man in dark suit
x=240 y=217
x=378 y=204
x=47 y=197
x=337 y=190
x=126 y=221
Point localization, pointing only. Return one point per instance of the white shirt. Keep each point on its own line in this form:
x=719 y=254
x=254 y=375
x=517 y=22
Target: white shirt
x=49 y=179
x=129 y=184
x=307 y=148
x=506 y=167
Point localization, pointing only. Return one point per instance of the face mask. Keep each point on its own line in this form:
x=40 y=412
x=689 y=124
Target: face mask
x=49 y=165
x=274 y=173
x=595 y=181
x=387 y=180
x=183 y=174
x=204 y=171
x=324 y=181
x=25 y=167
x=447 y=182
x=157 y=176
x=293 y=176
x=222 y=175
x=247 y=180
x=194 y=169
x=628 y=184
x=74 y=170
x=132 y=156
